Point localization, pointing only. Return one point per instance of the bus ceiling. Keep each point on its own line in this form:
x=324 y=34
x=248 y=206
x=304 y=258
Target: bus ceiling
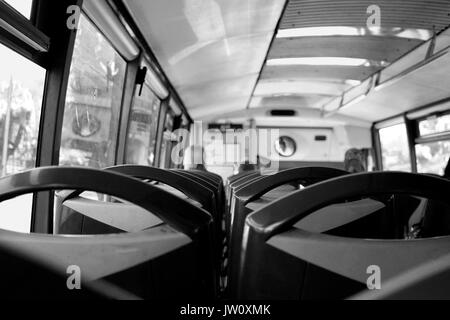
x=241 y=59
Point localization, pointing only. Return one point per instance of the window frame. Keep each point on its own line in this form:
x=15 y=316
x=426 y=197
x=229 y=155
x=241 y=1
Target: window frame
x=432 y=137
x=127 y=91
x=411 y=119
x=150 y=57
x=147 y=54
x=47 y=26
x=377 y=127
x=122 y=156
x=24 y=36
x=46 y=16
x=126 y=109
x=428 y=138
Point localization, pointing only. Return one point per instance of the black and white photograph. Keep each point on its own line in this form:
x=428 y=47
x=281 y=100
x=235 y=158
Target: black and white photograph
x=225 y=159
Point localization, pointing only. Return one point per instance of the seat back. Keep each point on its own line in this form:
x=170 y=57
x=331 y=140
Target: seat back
x=317 y=265
x=215 y=184
x=236 y=180
x=173 y=259
x=47 y=281
x=428 y=281
x=81 y=222
x=257 y=187
x=216 y=188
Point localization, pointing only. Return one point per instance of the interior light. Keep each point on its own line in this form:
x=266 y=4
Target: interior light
x=420 y=34
x=301 y=87
x=320 y=61
x=319 y=31
x=352 y=82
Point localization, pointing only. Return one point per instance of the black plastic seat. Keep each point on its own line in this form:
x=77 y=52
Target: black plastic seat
x=426 y=282
x=283 y=262
x=238 y=183
x=190 y=184
x=213 y=176
x=172 y=260
x=45 y=282
x=254 y=189
x=238 y=176
x=215 y=184
x=186 y=185
x=217 y=180
x=206 y=180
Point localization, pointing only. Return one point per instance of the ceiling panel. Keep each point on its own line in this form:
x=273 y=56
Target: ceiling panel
x=415 y=14
x=208 y=94
x=334 y=30
x=209 y=47
x=225 y=59
x=217 y=110
x=214 y=50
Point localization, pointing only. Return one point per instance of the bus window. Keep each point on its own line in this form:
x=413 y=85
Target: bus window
x=432 y=157
x=434 y=125
x=143 y=127
x=21 y=90
x=394 y=148
x=91 y=115
x=22 y=6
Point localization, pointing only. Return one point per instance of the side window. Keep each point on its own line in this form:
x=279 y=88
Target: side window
x=91 y=115
x=142 y=129
x=432 y=157
x=22 y=6
x=434 y=125
x=21 y=90
x=394 y=148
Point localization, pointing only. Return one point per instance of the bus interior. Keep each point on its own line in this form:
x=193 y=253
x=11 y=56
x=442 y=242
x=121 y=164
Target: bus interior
x=222 y=150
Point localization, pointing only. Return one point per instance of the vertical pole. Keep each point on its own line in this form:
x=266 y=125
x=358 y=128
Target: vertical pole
x=377 y=149
x=125 y=110
x=412 y=133
x=51 y=18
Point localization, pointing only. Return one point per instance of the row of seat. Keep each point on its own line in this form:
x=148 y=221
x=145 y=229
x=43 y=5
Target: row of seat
x=176 y=268
x=148 y=241
x=248 y=192
x=177 y=234
x=305 y=244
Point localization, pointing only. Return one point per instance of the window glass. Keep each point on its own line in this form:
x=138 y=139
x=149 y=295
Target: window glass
x=143 y=128
x=22 y=6
x=21 y=90
x=433 y=157
x=434 y=125
x=394 y=148
x=166 y=144
x=91 y=115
